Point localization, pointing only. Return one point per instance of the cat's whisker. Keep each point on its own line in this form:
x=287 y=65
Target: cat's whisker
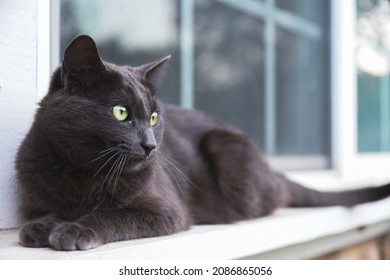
x=108 y=149
x=109 y=175
x=171 y=159
x=105 y=164
x=105 y=153
x=162 y=165
x=118 y=171
x=184 y=176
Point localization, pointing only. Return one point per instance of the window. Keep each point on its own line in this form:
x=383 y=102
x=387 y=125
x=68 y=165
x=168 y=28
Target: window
x=373 y=63
x=260 y=65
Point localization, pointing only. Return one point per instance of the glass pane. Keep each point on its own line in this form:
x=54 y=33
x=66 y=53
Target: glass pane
x=373 y=63
x=313 y=10
x=126 y=34
x=229 y=66
x=369 y=115
x=302 y=95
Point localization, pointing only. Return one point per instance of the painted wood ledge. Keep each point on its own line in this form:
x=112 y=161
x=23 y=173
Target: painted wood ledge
x=289 y=233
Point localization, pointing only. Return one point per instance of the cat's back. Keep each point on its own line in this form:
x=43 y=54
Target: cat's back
x=189 y=122
x=184 y=130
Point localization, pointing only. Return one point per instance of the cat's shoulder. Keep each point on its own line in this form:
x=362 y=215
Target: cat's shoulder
x=172 y=111
x=192 y=120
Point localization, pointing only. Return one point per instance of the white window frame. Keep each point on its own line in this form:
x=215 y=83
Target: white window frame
x=44 y=49
x=273 y=17
x=349 y=167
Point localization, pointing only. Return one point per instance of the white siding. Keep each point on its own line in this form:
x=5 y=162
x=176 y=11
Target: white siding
x=18 y=94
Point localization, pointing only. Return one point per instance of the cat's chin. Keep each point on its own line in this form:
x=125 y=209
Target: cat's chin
x=141 y=163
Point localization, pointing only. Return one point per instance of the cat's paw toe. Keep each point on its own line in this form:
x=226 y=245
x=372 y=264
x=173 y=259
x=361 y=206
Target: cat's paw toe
x=34 y=234
x=72 y=236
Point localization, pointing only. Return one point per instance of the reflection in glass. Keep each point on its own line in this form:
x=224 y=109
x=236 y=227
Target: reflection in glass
x=130 y=32
x=229 y=66
x=302 y=95
x=373 y=63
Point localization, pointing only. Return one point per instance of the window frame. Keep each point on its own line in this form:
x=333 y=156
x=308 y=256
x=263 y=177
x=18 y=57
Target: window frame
x=273 y=17
x=349 y=167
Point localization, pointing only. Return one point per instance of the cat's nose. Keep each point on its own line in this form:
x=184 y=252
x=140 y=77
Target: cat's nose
x=148 y=142
x=148 y=147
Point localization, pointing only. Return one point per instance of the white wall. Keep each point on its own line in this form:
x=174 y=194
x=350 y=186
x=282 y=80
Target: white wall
x=18 y=94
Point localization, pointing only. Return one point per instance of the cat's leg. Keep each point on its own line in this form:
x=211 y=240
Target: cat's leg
x=249 y=188
x=36 y=233
x=106 y=226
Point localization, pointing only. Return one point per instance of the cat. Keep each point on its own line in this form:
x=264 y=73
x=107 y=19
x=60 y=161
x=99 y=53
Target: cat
x=105 y=161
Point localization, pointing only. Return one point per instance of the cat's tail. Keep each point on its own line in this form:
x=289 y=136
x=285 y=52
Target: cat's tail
x=300 y=196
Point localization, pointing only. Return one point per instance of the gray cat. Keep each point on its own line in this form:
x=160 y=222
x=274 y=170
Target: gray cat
x=105 y=160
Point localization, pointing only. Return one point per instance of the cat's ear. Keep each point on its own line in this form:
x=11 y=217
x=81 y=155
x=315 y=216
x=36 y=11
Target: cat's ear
x=154 y=72
x=81 y=53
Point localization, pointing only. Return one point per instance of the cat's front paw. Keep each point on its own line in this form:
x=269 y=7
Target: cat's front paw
x=36 y=234
x=72 y=236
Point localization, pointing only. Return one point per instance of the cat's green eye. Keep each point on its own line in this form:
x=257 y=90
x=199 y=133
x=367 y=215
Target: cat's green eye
x=120 y=113
x=153 y=119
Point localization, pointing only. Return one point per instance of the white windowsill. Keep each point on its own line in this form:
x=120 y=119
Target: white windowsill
x=289 y=233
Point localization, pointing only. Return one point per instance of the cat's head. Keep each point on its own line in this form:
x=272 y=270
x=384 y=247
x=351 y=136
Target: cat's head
x=97 y=113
